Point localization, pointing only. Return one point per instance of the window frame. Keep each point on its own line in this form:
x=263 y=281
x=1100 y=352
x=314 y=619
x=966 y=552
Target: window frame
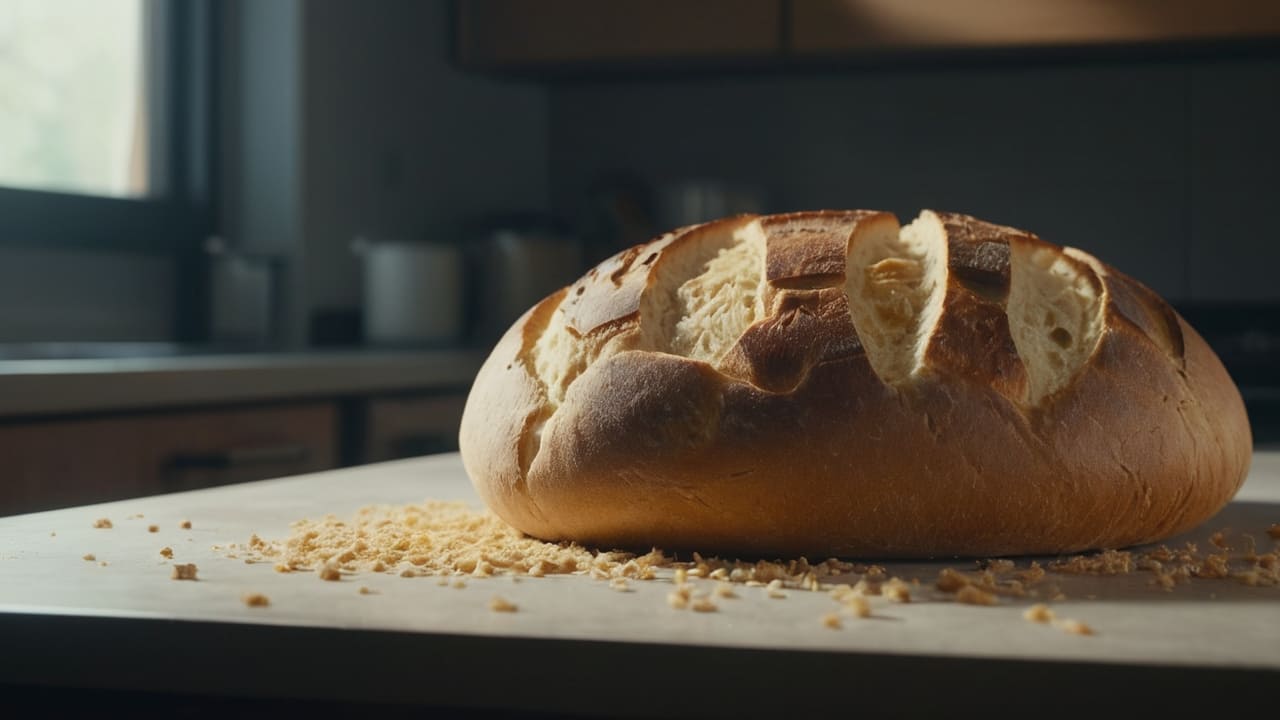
x=181 y=164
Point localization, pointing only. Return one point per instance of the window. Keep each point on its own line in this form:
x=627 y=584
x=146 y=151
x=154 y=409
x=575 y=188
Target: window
x=106 y=116
x=73 y=96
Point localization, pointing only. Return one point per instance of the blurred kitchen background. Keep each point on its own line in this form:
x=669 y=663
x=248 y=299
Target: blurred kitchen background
x=245 y=239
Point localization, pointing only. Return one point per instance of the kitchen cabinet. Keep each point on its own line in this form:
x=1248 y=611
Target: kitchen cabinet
x=850 y=26
x=513 y=34
x=59 y=462
x=407 y=426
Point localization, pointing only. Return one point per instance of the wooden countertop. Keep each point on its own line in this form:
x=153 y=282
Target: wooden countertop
x=46 y=387
x=575 y=645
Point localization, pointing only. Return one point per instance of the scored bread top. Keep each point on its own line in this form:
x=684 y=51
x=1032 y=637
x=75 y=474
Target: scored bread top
x=843 y=356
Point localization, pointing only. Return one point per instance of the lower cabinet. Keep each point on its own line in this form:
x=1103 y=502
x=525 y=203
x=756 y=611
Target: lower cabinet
x=46 y=464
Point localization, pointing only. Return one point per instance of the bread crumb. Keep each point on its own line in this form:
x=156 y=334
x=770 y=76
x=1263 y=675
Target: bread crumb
x=858 y=606
x=102 y=524
x=282 y=568
x=184 y=571
x=896 y=591
x=867 y=587
x=832 y=620
x=972 y=595
x=185 y=524
x=329 y=572
x=53 y=534
x=364 y=590
x=166 y=552
x=153 y=528
x=774 y=590
x=1074 y=627
x=678 y=600
x=410 y=572
x=703 y=603
x=950 y=581
x=1219 y=540
x=1274 y=531
x=1038 y=613
x=725 y=590
x=679 y=576
x=459 y=584
x=103 y=563
x=1214 y=567
x=256 y=600
x=619 y=584
x=89 y=557
x=500 y=604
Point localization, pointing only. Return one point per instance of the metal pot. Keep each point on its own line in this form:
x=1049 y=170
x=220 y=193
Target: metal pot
x=413 y=291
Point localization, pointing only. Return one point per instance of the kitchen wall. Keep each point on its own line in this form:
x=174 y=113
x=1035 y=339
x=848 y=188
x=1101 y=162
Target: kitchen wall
x=1165 y=170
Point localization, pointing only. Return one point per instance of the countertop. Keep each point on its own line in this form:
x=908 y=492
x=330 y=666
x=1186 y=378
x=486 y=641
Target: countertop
x=82 y=385
x=575 y=645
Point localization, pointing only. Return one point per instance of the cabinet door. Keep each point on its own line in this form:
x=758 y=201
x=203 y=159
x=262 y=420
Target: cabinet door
x=58 y=463
x=518 y=33
x=835 y=26
x=400 y=427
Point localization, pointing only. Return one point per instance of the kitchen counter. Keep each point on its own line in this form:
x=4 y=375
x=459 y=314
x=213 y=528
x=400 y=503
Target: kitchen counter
x=577 y=646
x=83 y=385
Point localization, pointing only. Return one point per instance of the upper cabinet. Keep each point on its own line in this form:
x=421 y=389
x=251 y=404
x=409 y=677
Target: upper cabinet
x=575 y=35
x=524 y=34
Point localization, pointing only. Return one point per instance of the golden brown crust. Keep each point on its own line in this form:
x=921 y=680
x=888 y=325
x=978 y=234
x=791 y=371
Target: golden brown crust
x=792 y=444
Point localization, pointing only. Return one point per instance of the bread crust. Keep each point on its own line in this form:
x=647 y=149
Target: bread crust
x=793 y=445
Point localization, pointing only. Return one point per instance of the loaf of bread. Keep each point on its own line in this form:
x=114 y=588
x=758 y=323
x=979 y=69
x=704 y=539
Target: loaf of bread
x=830 y=384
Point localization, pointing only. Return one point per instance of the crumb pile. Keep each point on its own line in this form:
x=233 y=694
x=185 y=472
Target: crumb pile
x=450 y=540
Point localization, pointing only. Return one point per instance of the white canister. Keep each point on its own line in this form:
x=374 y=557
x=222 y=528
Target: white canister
x=413 y=292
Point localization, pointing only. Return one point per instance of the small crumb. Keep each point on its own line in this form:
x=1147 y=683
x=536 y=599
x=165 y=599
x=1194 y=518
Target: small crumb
x=185 y=524
x=972 y=595
x=256 y=600
x=679 y=576
x=725 y=590
x=329 y=571
x=719 y=574
x=832 y=620
x=410 y=572
x=282 y=568
x=249 y=561
x=1038 y=613
x=703 y=603
x=858 y=605
x=53 y=534
x=459 y=584
x=619 y=584
x=103 y=563
x=774 y=590
x=867 y=587
x=153 y=528
x=896 y=591
x=166 y=552
x=102 y=524
x=443 y=582
x=677 y=600
x=1074 y=627
x=1274 y=531
x=500 y=604
x=184 y=571
x=364 y=590
x=89 y=557
x=1218 y=539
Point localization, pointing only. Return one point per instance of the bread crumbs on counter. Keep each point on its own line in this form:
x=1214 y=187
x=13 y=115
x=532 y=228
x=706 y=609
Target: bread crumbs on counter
x=1038 y=613
x=256 y=600
x=858 y=606
x=153 y=528
x=184 y=571
x=282 y=568
x=1274 y=531
x=459 y=584
x=166 y=552
x=619 y=584
x=774 y=590
x=725 y=590
x=329 y=572
x=501 y=604
x=832 y=620
x=973 y=595
x=53 y=534
x=896 y=590
x=102 y=524
x=703 y=604
x=185 y=524
x=89 y=557
x=364 y=590
x=103 y=563
x=1073 y=627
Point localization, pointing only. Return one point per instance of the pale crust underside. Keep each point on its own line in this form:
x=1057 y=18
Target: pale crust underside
x=828 y=383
